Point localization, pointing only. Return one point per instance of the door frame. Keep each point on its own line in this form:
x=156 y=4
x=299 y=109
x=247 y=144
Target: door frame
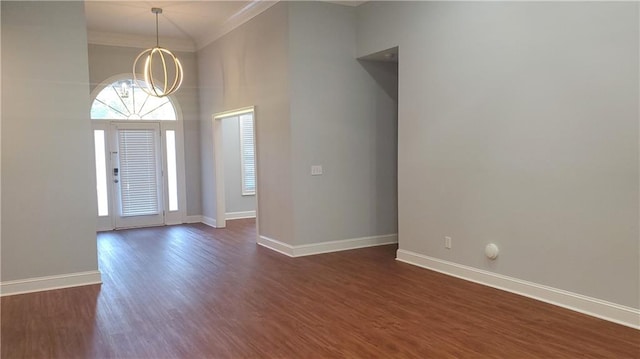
x=106 y=223
x=161 y=187
x=218 y=162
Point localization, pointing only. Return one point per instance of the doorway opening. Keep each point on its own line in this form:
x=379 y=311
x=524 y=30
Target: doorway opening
x=383 y=67
x=235 y=165
x=139 y=156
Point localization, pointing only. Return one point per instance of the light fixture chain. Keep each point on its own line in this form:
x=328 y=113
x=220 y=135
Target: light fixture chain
x=157 y=36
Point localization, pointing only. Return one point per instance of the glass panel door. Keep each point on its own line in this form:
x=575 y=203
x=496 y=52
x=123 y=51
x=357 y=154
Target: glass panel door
x=136 y=174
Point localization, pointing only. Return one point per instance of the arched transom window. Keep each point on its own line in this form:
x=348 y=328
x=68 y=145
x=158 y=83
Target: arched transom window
x=125 y=100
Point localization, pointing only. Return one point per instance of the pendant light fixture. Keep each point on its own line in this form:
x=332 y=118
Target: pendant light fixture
x=161 y=76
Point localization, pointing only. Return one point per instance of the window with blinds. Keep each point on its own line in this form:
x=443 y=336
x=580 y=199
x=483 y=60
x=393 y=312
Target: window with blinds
x=138 y=172
x=247 y=155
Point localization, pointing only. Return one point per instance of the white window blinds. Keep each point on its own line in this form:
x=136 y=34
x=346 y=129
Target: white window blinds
x=138 y=172
x=247 y=155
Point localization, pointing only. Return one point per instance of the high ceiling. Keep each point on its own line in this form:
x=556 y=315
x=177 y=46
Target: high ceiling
x=183 y=25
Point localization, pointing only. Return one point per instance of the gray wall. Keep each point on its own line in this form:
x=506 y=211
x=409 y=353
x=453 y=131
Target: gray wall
x=385 y=74
x=107 y=61
x=246 y=67
x=234 y=200
x=342 y=119
x=48 y=184
x=518 y=124
x=0 y=149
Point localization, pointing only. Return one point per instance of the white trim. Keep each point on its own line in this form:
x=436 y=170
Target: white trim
x=233 y=113
x=193 y=219
x=218 y=164
x=176 y=216
x=39 y=284
x=157 y=218
x=218 y=159
x=240 y=215
x=346 y=3
x=275 y=245
x=209 y=221
x=138 y=41
x=577 y=302
x=253 y=9
x=177 y=125
x=343 y=245
x=171 y=222
x=129 y=76
x=327 y=247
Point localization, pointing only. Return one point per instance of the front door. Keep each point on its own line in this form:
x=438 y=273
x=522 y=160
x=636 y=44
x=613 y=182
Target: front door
x=136 y=174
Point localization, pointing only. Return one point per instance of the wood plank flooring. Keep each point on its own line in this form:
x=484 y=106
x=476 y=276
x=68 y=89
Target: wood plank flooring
x=191 y=291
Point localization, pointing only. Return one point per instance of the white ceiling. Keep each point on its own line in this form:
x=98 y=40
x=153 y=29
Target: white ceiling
x=183 y=25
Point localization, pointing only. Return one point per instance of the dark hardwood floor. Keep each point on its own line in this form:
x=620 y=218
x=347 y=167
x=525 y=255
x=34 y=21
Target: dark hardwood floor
x=191 y=291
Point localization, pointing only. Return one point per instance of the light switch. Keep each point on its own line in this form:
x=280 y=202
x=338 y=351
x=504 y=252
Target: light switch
x=316 y=170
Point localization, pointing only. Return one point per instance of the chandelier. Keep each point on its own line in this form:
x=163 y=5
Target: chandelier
x=162 y=70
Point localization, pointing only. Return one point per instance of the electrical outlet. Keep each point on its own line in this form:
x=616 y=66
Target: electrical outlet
x=447 y=242
x=316 y=170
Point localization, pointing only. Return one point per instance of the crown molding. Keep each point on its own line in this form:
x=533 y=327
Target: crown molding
x=253 y=9
x=347 y=3
x=139 y=41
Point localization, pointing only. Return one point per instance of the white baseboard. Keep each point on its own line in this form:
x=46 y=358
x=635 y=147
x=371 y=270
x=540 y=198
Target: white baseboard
x=39 y=284
x=209 y=222
x=275 y=245
x=193 y=219
x=326 y=247
x=577 y=302
x=240 y=215
x=343 y=245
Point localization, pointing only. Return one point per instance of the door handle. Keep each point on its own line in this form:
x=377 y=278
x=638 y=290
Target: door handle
x=115 y=181
x=115 y=171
